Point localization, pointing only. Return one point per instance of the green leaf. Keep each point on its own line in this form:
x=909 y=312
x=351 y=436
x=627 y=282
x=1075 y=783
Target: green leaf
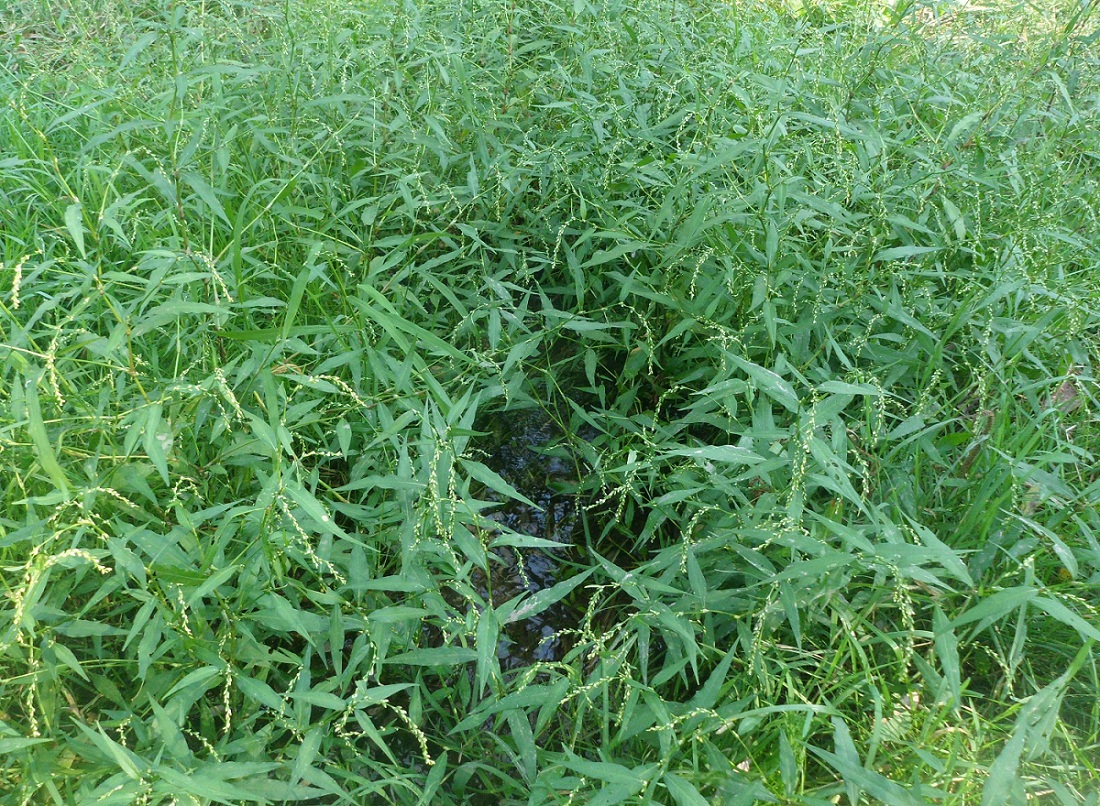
x=681 y=627
x=397 y=614
x=1030 y=734
x=947 y=652
x=1002 y=779
x=944 y=554
x=962 y=126
x=878 y=786
x=682 y=791
x=996 y=606
x=314 y=509
x=381 y=311
x=307 y=752
x=343 y=437
x=279 y=614
x=858 y=778
x=491 y=479
x=154 y=441
x=212 y=584
x=170 y=736
x=197 y=678
x=488 y=637
x=848 y=756
x=1061 y=550
x=509 y=539
x=365 y=697
x=771 y=242
x=260 y=692
x=83 y=628
x=135 y=49
x=841 y=388
x=813 y=569
x=74 y=223
x=36 y=427
x=526 y=698
x=901 y=252
x=435 y=656
x=788 y=765
x=769 y=383
x=434 y=780
x=66 y=656
x=729 y=454
x=545 y=598
x=13 y=744
x=1063 y=614
x=206 y=784
x=610 y=772
x=130 y=763
x=294 y=302
x=206 y=193
x=320 y=699
x=707 y=696
x=519 y=726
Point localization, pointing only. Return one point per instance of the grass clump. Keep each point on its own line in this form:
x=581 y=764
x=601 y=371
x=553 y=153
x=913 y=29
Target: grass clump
x=811 y=295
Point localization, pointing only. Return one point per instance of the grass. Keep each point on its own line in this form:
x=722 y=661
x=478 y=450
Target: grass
x=813 y=293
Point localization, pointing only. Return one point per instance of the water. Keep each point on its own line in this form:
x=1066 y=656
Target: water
x=517 y=452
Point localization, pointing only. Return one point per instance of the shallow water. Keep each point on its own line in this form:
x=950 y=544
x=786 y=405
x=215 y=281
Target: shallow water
x=516 y=451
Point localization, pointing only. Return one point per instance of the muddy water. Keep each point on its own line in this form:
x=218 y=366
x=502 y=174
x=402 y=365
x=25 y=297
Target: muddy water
x=516 y=450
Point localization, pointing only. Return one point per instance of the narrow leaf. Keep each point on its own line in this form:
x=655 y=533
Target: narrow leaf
x=900 y=252
x=769 y=383
x=540 y=601
x=491 y=479
x=36 y=427
x=435 y=656
x=74 y=223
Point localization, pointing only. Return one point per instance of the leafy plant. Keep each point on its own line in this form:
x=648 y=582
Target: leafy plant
x=810 y=294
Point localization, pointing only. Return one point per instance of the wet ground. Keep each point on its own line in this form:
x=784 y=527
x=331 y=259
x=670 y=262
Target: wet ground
x=530 y=453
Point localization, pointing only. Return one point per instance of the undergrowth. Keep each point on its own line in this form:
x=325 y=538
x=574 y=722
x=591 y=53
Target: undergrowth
x=813 y=294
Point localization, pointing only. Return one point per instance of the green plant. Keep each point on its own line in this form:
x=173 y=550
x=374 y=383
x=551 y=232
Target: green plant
x=810 y=293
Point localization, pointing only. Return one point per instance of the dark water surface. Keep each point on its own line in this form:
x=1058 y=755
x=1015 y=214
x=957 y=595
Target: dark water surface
x=517 y=450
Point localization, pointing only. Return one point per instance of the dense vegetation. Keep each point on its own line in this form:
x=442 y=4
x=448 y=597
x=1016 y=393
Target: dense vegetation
x=812 y=297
